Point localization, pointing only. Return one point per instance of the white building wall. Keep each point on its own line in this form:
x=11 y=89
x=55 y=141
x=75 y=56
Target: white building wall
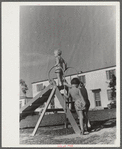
x=97 y=80
x=45 y=83
x=34 y=87
x=22 y=102
x=94 y=80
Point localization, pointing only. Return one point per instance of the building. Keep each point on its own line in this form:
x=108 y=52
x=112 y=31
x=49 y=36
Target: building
x=96 y=83
x=23 y=100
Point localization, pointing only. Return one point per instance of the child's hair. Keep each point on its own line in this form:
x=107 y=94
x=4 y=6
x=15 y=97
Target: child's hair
x=75 y=81
x=58 y=51
x=81 y=83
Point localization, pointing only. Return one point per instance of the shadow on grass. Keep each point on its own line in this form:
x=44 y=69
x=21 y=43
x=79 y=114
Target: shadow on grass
x=47 y=126
x=98 y=125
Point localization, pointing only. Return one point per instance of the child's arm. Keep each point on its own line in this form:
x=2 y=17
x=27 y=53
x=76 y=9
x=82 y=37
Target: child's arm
x=57 y=61
x=68 y=85
x=64 y=65
x=66 y=95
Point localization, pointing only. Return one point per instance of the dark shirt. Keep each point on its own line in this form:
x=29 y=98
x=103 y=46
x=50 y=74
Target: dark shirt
x=85 y=94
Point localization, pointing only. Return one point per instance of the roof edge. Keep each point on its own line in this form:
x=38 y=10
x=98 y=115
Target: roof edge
x=79 y=73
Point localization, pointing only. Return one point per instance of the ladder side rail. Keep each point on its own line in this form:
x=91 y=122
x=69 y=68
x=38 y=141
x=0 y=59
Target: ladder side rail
x=68 y=113
x=65 y=107
x=43 y=112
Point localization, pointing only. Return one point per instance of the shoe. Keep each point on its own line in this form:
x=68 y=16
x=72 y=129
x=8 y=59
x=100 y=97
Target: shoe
x=90 y=129
x=86 y=132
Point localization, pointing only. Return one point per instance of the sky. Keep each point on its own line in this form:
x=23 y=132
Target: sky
x=85 y=34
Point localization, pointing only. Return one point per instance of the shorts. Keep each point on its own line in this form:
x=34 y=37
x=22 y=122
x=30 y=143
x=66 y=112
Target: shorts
x=79 y=105
x=59 y=70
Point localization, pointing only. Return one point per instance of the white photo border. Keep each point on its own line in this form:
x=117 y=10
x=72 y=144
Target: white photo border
x=11 y=71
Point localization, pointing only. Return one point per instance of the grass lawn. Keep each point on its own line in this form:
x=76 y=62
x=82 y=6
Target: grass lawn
x=103 y=122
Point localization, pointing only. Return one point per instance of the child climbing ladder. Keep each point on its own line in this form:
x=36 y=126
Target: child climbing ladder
x=76 y=95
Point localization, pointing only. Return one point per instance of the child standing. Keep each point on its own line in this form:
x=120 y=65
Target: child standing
x=60 y=66
x=85 y=96
x=77 y=97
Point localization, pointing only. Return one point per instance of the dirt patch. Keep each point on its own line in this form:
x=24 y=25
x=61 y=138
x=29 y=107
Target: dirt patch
x=61 y=135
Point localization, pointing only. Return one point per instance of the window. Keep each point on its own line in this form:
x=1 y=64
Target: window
x=109 y=93
x=109 y=74
x=97 y=97
x=82 y=79
x=40 y=87
x=24 y=101
x=20 y=104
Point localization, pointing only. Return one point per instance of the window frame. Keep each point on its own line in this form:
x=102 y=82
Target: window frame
x=111 y=95
x=20 y=104
x=39 y=87
x=109 y=73
x=96 y=101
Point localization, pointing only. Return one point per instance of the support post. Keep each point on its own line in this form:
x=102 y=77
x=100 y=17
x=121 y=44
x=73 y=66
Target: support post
x=43 y=112
x=65 y=107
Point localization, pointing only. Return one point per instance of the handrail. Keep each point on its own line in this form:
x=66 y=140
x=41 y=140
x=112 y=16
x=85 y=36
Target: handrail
x=49 y=73
x=74 y=69
x=64 y=72
x=51 y=70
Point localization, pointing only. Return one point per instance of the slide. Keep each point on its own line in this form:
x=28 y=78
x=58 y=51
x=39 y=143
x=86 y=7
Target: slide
x=37 y=101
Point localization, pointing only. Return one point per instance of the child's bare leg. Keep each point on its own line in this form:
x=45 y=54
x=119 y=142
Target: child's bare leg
x=89 y=125
x=81 y=121
x=77 y=113
x=87 y=122
x=59 y=79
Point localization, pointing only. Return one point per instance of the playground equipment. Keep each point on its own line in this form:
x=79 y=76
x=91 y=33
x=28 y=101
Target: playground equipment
x=45 y=96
